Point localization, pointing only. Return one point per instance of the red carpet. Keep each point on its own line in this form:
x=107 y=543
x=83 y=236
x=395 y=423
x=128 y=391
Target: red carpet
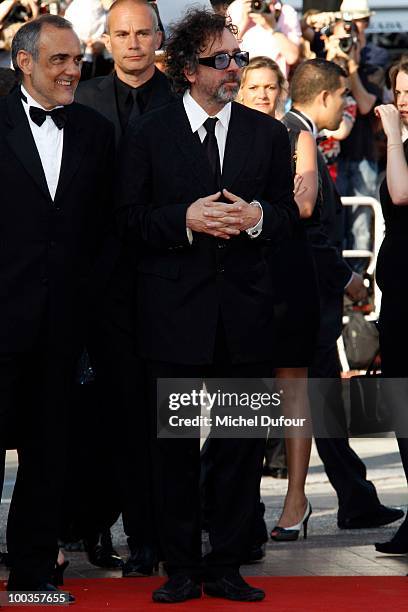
x=283 y=594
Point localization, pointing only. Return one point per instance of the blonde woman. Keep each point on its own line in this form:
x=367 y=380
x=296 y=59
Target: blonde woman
x=264 y=88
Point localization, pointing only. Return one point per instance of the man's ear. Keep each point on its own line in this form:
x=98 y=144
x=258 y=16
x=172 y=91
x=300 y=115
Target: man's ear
x=190 y=74
x=107 y=42
x=25 y=62
x=324 y=95
x=159 y=40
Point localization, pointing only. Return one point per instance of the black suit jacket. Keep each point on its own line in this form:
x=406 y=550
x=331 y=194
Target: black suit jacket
x=48 y=249
x=183 y=288
x=325 y=229
x=99 y=93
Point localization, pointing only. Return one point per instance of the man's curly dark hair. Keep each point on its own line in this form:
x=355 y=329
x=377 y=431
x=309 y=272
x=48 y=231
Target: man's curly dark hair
x=188 y=38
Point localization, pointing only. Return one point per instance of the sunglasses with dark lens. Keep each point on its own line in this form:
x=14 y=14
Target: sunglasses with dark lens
x=221 y=61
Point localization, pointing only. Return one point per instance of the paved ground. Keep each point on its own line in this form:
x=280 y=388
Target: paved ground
x=328 y=551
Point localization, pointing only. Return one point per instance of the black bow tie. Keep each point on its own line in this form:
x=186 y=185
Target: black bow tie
x=58 y=115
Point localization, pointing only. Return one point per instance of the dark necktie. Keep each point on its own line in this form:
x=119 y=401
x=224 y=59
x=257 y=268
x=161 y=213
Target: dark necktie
x=211 y=146
x=135 y=112
x=58 y=115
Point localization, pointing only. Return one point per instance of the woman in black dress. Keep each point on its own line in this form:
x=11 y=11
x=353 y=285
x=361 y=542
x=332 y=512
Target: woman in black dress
x=297 y=304
x=392 y=262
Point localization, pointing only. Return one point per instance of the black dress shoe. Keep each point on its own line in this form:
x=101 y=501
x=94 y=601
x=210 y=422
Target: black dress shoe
x=45 y=587
x=233 y=587
x=281 y=473
x=177 y=589
x=382 y=516
x=141 y=562
x=393 y=547
x=398 y=545
x=256 y=554
x=101 y=552
x=4 y=560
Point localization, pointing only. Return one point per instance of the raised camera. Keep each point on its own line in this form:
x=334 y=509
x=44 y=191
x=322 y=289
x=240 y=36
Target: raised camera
x=347 y=43
x=260 y=6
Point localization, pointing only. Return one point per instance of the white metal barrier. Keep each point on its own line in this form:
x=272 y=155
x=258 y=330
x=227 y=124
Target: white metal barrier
x=377 y=240
x=372 y=256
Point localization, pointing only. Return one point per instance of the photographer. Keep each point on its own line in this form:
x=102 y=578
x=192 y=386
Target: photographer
x=220 y=6
x=361 y=14
x=357 y=163
x=344 y=42
x=268 y=28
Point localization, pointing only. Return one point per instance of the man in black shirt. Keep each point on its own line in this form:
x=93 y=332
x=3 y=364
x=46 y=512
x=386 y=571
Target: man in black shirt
x=133 y=89
x=136 y=86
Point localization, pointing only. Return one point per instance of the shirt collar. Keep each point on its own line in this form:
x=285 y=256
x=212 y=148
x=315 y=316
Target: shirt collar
x=32 y=102
x=197 y=115
x=141 y=88
x=308 y=121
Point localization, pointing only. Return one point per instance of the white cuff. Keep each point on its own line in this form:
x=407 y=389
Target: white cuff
x=255 y=231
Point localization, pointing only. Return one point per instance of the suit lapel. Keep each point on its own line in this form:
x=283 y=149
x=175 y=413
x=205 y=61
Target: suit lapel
x=238 y=146
x=22 y=143
x=73 y=151
x=160 y=93
x=190 y=146
x=106 y=103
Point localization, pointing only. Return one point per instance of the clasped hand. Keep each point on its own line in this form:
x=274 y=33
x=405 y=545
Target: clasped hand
x=221 y=219
x=391 y=121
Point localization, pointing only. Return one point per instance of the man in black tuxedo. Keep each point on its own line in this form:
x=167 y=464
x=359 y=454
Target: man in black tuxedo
x=212 y=191
x=134 y=89
x=55 y=166
x=318 y=91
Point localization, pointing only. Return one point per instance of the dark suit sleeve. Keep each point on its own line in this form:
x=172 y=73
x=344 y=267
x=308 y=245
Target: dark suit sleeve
x=104 y=211
x=163 y=227
x=279 y=207
x=107 y=167
x=333 y=271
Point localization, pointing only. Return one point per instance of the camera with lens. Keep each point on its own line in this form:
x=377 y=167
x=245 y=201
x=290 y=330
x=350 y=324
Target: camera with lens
x=346 y=43
x=260 y=6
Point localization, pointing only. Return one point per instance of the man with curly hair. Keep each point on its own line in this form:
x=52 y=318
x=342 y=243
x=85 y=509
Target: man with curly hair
x=205 y=187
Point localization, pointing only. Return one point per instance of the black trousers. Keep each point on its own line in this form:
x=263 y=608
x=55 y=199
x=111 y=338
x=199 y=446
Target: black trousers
x=121 y=387
x=345 y=470
x=109 y=466
x=34 y=393
x=393 y=343
x=236 y=474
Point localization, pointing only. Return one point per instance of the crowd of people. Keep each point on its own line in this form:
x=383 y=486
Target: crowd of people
x=185 y=222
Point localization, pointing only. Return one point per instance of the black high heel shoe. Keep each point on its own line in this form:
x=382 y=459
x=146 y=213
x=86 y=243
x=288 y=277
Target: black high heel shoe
x=58 y=575
x=290 y=534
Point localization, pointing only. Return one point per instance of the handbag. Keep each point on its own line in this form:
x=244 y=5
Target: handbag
x=370 y=413
x=361 y=341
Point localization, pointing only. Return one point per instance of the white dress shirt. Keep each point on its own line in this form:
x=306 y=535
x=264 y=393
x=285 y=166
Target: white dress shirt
x=49 y=141
x=197 y=116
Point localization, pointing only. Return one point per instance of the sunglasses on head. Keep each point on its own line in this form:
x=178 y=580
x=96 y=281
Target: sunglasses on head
x=221 y=61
